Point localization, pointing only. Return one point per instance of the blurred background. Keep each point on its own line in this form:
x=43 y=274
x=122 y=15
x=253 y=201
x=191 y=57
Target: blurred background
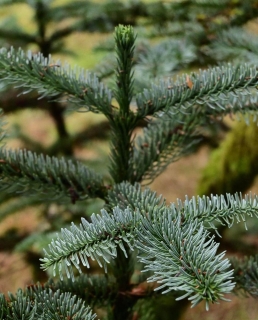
x=174 y=37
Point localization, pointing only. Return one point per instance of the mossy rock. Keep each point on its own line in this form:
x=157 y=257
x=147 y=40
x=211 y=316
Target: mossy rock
x=234 y=165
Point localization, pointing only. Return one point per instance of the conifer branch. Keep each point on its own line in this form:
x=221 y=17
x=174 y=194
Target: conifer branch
x=53 y=306
x=163 y=59
x=19 y=307
x=94 y=290
x=162 y=235
x=17 y=35
x=244 y=104
x=34 y=72
x=223 y=209
x=182 y=95
x=121 y=149
x=246 y=275
x=97 y=240
x=173 y=241
x=235 y=44
x=151 y=62
x=183 y=258
x=163 y=141
x=43 y=304
x=24 y=171
x=125 y=195
x=124 y=39
x=105 y=68
x=124 y=121
x=3 y=306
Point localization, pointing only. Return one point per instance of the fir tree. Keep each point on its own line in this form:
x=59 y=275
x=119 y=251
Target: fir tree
x=237 y=168
x=52 y=23
x=151 y=62
x=172 y=243
x=194 y=34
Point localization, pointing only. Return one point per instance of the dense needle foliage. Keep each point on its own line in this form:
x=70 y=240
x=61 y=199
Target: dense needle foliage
x=136 y=230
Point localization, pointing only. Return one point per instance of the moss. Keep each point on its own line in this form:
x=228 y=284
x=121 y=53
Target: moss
x=234 y=165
